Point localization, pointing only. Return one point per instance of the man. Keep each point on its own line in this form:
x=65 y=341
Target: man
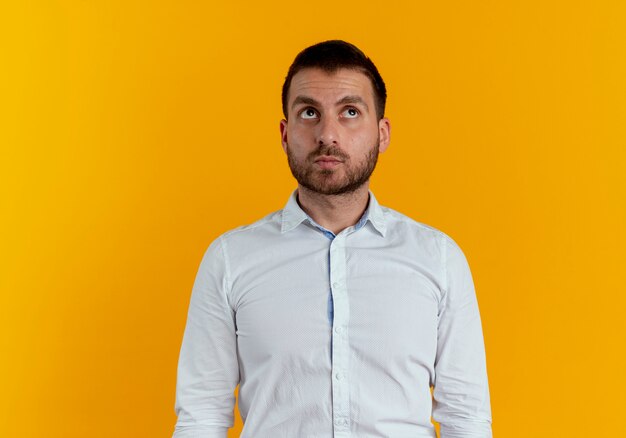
x=334 y=315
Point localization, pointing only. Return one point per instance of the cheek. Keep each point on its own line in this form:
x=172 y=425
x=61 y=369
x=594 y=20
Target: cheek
x=299 y=134
x=362 y=140
x=362 y=128
x=297 y=145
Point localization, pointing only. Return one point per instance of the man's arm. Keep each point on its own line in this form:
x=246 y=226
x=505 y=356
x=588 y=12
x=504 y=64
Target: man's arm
x=208 y=371
x=461 y=401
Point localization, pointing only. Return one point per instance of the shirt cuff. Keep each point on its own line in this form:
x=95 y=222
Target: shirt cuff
x=466 y=429
x=200 y=432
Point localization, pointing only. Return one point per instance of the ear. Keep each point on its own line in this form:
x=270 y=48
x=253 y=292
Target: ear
x=384 y=131
x=283 y=134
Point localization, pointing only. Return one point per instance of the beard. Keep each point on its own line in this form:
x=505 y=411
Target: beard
x=326 y=181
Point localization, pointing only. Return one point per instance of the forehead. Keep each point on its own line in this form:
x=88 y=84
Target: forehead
x=315 y=82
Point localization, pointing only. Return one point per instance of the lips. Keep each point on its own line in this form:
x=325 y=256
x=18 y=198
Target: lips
x=327 y=162
x=327 y=159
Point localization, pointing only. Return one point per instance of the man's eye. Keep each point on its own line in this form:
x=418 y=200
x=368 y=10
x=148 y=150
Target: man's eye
x=308 y=113
x=350 y=113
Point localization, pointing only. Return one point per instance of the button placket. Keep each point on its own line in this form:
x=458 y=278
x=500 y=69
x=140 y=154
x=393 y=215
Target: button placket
x=340 y=344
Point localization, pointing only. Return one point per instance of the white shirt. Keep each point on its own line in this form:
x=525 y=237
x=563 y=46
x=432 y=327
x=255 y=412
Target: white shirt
x=333 y=336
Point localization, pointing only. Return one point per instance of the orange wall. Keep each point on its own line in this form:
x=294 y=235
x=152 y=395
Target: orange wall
x=134 y=133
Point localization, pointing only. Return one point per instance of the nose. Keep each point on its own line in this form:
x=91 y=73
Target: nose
x=327 y=131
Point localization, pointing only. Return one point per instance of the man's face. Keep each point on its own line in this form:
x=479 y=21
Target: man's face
x=332 y=137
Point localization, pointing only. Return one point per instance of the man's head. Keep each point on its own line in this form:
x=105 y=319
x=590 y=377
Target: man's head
x=331 y=56
x=333 y=131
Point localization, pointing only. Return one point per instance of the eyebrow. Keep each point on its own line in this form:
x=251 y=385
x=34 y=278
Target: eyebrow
x=344 y=100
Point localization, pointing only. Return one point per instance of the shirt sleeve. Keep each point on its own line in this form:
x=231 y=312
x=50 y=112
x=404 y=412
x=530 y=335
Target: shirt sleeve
x=461 y=402
x=208 y=369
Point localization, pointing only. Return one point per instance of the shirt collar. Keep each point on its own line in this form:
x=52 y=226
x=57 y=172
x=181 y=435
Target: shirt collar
x=293 y=215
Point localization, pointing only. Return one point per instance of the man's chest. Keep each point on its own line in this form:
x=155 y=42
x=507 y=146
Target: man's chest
x=383 y=302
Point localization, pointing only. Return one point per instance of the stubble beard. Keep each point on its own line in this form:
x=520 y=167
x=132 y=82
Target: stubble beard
x=322 y=181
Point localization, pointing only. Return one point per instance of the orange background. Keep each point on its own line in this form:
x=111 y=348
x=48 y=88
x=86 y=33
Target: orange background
x=134 y=133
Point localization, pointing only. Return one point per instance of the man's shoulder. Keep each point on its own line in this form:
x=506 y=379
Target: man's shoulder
x=427 y=238
x=408 y=224
x=269 y=222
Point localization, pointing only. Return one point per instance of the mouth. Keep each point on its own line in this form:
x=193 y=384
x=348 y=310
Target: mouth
x=327 y=162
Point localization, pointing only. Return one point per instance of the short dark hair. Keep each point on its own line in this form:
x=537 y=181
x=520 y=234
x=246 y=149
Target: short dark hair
x=331 y=56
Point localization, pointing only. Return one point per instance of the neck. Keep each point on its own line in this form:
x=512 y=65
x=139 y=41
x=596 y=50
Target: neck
x=334 y=212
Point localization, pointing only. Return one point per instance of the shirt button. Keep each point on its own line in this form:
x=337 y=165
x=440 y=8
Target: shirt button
x=335 y=285
x=338 y=376
x=339 y=329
